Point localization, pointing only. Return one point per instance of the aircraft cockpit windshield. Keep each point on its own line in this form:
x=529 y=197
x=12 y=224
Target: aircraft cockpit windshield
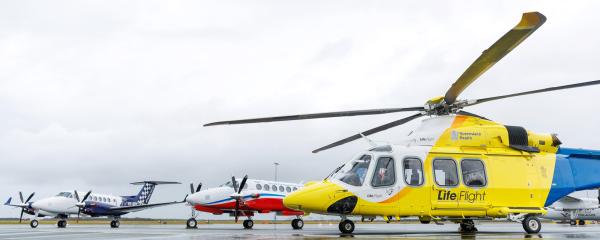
x=65 y=194
x=354 y=172
x=227 y=184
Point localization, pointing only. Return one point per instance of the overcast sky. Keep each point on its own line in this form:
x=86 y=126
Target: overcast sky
x=98 y=94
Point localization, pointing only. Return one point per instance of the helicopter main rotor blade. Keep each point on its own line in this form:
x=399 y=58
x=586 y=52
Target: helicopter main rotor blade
x=369 y=132
x=550 y=89
x=529 y=23
x=317 y=115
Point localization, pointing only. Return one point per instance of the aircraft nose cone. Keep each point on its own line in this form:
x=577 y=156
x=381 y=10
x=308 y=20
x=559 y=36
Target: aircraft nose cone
x=313 y=198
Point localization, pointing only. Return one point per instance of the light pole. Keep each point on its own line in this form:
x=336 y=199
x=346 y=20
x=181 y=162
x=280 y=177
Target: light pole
x=275 y=213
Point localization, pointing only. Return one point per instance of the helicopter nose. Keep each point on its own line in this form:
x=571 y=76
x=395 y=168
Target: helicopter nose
x=313 y=198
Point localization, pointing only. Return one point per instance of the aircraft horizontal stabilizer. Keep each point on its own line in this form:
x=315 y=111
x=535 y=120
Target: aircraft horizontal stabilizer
x=154 y=182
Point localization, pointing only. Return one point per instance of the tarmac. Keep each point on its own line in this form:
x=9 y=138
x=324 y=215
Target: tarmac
x=310 y=231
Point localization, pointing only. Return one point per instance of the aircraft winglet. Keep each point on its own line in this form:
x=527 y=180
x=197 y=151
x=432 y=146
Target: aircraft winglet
x=8 y=201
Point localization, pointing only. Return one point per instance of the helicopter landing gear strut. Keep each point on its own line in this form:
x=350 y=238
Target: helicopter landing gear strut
x=467 y=226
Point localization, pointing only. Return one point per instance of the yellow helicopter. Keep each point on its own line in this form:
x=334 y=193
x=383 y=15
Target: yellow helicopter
x=456 y=166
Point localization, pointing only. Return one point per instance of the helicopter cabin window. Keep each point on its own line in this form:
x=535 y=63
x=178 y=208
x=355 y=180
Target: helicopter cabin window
x=385 y=173
x=473 y=172
x=445 y=172
x=281 y=189
x=288 y=189
x=258 y=187
x=354 y=172
x=413 y=171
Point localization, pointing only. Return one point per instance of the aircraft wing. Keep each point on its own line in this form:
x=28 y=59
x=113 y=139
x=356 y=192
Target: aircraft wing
x=7 y=203
x=569 y=199
x=141 y=207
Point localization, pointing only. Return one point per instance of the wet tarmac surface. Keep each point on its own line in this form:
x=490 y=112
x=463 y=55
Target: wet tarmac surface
x=310 y=231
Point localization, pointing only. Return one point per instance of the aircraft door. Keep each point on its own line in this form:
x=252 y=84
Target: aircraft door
x=381 y=194
x=472 y=195
x=445 y=181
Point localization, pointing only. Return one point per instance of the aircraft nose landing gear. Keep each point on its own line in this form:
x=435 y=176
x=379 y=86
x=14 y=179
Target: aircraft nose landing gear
x=297 y=224
x=34 y=223
x=192 y=223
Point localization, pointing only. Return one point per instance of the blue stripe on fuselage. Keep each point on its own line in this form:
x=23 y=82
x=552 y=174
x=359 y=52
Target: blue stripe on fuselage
x=575 y=170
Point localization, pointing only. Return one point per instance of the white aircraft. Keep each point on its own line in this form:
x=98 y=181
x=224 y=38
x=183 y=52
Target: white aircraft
x=575 y=210
x=244 y=199
x=68 y=203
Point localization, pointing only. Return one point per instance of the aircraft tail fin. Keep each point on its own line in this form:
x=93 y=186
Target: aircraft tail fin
x=143 y=197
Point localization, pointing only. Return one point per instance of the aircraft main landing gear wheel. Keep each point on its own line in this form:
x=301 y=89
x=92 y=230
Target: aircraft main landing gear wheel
x=248 y=224
x=467 y=226
x=114 y=224
x=581 y=222
x=33 y=223
x=573 y=222
x=297 y=224
x=346 y=226
x=191 y=223
x=61 y=223
x=532 y=224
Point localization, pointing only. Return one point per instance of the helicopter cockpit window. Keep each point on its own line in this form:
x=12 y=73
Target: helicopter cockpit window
x=354 y=172
x=473 y=172
x=445 y=172
x=385 y=173
x=413 y=171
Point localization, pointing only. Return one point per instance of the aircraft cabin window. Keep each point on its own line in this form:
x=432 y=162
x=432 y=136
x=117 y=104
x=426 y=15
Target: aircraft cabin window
x=288 y=189
x=385 y=173
x=473 y=172
x=413 y=171
x=274 y=188
x=258 y=187
x=281 y=189
x=266 y=187
x=445 y=172
x=355 y=176
x=295 y=188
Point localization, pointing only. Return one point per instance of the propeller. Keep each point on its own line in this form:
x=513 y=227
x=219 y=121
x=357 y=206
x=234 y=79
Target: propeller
x=24 y=204
x=237 y=194
x=193 y=190
x=447 y=104
x=81 y=203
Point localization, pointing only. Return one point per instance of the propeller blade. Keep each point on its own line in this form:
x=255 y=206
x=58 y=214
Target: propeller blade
x=317 y=115
x=76 y=196
x=529 y=23
x=30 y=196
x=237 y=209
x=85 y=197
x=369 y=132
x=234 y=183
x=576 y=85
x=78 y=214
x=199 y=187
x=21 y=217
x=242 y=184
x=21 y=197
x=192 y=188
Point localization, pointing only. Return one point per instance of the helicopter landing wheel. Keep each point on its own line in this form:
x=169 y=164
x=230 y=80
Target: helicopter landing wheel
x=532 y=224
x=467 y=226
x=34 y=223
x=346 y=226
x=191 y=223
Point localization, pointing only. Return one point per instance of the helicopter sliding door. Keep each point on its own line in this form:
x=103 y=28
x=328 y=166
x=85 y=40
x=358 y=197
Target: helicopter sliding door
x=444 y=197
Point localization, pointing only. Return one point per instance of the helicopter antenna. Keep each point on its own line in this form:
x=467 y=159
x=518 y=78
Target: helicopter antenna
x=371 y=142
